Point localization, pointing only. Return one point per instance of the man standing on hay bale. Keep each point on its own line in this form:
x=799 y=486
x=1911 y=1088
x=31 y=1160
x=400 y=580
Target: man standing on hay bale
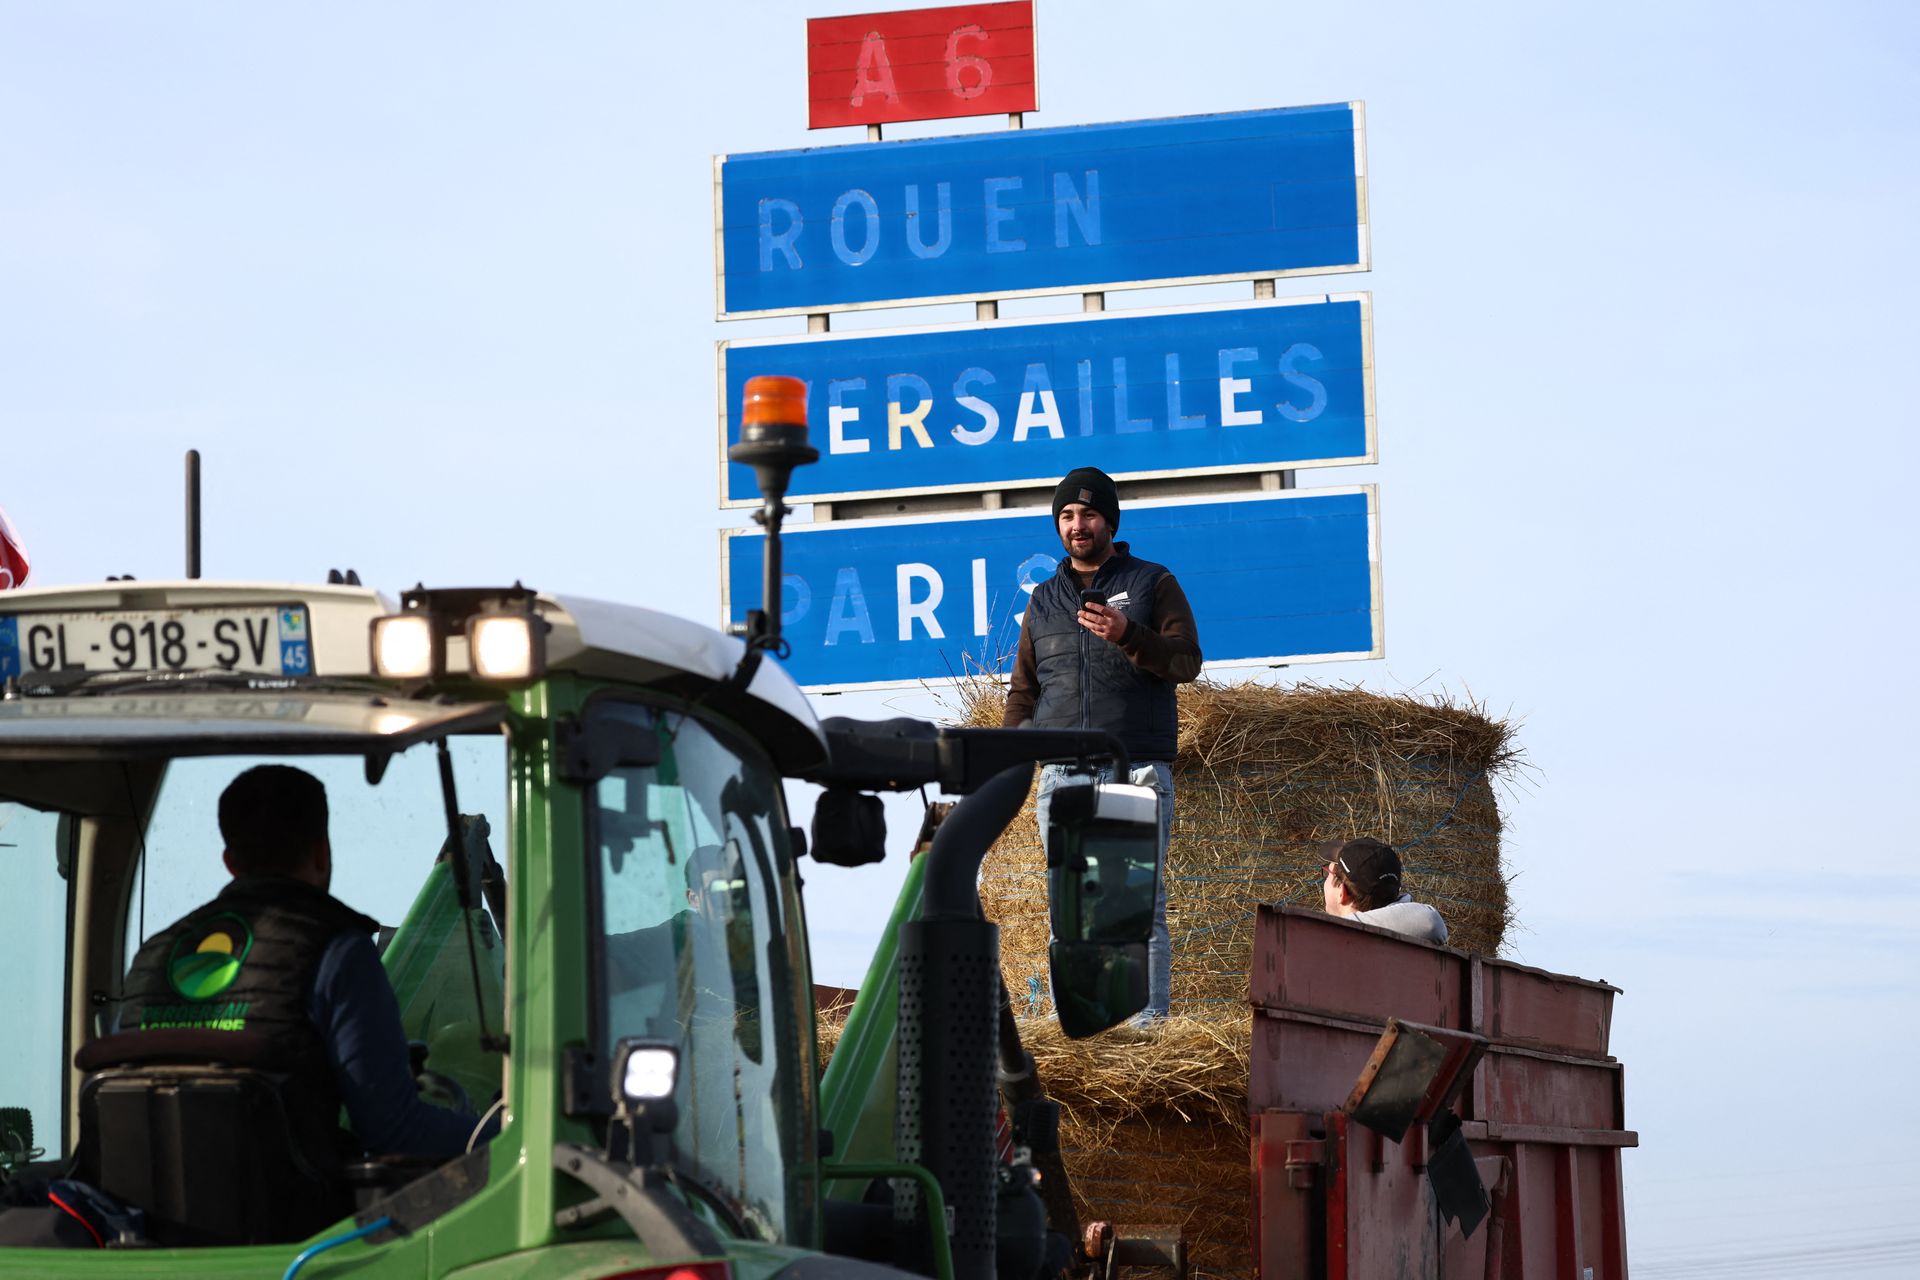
x=1363 y=883
x=1102 y=645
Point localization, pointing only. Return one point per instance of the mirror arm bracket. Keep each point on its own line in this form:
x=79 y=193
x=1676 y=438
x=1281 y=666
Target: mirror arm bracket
x=641 y=1197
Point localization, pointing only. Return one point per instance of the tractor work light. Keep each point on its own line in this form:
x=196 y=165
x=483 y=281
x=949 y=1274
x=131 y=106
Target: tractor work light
x=405 y=647
x=648 y=1070
x=644 y=1073
x=506 y=646
x=491 y=633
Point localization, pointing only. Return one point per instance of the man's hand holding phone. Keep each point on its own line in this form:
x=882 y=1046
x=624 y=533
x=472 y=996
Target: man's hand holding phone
x=1100 y=618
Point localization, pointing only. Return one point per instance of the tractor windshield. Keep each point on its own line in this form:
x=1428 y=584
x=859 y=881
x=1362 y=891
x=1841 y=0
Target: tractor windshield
x=699 y=944
x=99 y=855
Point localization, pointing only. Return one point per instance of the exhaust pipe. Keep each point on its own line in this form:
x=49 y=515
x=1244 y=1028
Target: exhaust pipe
x=949 y=1038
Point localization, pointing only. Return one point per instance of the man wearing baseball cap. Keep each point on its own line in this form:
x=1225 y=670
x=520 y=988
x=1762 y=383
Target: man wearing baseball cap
x=1362 y=882
x=1102 y=644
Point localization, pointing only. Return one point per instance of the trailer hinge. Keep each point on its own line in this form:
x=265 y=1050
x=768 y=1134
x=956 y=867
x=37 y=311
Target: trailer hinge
x=1304 y=1157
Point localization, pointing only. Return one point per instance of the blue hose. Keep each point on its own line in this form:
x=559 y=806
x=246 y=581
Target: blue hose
x=311 y=1251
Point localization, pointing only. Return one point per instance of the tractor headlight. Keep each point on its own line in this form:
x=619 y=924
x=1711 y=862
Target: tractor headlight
x=506 y=646
x=648 y=1072
x=644 y=1073
x=405 y=647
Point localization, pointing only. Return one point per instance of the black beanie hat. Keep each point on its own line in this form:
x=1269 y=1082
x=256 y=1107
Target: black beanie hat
x=1090 y=487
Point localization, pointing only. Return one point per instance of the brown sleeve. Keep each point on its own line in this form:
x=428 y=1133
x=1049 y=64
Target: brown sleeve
x=1170 y=648
x=1023 y=689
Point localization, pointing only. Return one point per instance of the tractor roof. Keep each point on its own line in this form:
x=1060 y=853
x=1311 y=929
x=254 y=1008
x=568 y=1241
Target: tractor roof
x=596 y=638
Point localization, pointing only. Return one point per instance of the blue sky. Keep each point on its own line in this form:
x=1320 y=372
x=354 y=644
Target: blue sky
x=431 y=288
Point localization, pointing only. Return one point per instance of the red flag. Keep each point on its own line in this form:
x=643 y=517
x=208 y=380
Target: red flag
x=13 y=557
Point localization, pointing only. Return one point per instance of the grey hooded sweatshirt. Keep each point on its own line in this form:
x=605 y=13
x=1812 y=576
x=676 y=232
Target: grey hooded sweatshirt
x=1408 y=918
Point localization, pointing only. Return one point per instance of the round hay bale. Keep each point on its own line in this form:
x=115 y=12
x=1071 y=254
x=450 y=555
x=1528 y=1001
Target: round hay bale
x=1154 y=1129
x=1264 y=774
x=1154 y=1126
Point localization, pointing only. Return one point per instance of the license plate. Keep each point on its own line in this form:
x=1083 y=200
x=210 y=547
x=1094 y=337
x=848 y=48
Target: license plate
x=265 y=639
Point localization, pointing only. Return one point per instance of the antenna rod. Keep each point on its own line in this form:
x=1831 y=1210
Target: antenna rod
x=193 y=513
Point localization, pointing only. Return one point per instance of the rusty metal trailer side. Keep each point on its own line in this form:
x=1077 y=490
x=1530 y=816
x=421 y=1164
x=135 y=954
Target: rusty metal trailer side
x=1543 y=1113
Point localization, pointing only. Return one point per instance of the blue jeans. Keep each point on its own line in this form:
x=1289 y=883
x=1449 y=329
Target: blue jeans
x=1157 y=774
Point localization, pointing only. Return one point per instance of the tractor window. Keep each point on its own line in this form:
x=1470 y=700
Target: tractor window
x=696 y=947
x=33 y=917
x=386 y=837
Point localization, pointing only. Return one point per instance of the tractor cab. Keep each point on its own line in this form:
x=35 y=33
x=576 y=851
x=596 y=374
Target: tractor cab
x=565 y=821
x=566 y=818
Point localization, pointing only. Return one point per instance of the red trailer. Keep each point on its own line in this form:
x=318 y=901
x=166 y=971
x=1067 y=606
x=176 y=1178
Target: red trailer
x=1359 y=1034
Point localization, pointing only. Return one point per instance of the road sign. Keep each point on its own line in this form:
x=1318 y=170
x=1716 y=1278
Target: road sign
x=1032 y=211
x=1274 y=383
x=921 y=64
x=1285 y=577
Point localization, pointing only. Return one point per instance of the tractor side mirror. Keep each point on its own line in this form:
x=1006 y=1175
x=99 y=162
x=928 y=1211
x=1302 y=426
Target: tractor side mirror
x=1103 y=870
x=849 y=828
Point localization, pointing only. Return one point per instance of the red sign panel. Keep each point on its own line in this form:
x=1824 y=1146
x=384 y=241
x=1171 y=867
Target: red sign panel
x=921 y=64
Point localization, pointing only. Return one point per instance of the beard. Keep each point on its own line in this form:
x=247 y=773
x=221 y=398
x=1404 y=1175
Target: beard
x=1087 y=547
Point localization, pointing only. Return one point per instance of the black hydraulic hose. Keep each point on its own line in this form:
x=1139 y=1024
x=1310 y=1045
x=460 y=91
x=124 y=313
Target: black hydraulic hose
x=961 y=844
x=1022 y=1088
x=948 y=1031
x=456 y=845
x=1019 y=1080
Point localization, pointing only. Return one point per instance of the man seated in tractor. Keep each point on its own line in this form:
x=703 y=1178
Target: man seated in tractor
x=277 y=955
x=1362 y=882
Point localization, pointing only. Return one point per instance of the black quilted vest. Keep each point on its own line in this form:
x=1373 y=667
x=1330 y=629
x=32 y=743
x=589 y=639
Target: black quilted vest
x=1087 y=683
x=246 y=961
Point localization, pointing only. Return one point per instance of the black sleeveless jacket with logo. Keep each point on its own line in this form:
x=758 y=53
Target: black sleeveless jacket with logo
x=1088 y=683
x=246 y=961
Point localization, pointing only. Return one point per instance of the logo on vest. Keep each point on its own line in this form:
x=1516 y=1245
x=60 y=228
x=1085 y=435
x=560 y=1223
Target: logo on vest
x=206 y=960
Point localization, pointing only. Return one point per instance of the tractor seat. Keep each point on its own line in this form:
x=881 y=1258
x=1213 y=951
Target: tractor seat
x=202 y=1130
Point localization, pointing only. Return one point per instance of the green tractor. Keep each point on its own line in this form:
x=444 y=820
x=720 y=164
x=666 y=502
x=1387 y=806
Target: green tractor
x=575 y=811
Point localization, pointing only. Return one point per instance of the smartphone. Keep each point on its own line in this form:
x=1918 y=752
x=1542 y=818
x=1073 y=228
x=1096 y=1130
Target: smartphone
x=1089 y=596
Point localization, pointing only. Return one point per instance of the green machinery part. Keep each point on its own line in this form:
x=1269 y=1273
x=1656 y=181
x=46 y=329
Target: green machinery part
x=857 y=1092
x=426 y=961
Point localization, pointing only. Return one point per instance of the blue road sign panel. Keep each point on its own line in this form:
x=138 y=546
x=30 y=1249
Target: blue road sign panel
x=1279 y=383
x=1285 y=577
x=994 y=215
